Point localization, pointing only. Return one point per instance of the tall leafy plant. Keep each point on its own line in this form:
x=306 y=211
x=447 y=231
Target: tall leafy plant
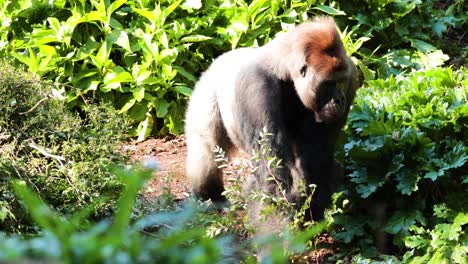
x=143 y=56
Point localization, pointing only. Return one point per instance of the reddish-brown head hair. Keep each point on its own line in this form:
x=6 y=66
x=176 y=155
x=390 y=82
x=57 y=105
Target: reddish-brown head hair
x=321 y=43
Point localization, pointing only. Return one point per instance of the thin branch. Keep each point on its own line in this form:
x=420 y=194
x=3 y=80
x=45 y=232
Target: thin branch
x=45 y=153
x=35 y=106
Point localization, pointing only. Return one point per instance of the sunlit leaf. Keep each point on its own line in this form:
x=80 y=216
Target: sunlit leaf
x=330 y=10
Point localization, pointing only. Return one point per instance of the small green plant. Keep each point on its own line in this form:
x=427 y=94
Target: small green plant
x=296 y=237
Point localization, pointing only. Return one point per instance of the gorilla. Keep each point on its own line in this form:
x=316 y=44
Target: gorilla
x=299 y=86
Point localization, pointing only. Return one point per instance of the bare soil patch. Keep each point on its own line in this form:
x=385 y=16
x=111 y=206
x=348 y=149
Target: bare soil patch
x=170 y=156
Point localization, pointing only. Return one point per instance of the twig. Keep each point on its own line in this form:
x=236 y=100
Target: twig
x=45 y=153
x=35 y=106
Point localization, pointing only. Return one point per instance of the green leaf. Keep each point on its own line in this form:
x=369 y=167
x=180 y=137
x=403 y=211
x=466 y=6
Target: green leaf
x=183 y=90
x=161 y=108
x=138 y=93
x=116 y=76
x=330 y=10
x=407 y=181
x=185 y=73
x=366 y=72
x=40 y=212
x=422 y=46
x=100 y=59
x=459 y=254
x=54 y=24
x=195 y=38
x=139 y=112
x=168 y=10
x=145 y=128
x=439 y=28
x=114 y=6
x=120 y=38
x=401 y=221
x=127 y=105
x=417 y=242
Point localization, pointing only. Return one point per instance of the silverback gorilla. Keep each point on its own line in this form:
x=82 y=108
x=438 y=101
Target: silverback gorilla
x=299 y=87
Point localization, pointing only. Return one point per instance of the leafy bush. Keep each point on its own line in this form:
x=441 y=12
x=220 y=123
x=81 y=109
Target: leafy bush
x=145 y=56
x=405 y=35
x=406 y=159
x=64 y=157
x=141 y=55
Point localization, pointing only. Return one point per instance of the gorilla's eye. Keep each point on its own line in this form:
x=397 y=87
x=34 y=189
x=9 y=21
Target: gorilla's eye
x=303 y=70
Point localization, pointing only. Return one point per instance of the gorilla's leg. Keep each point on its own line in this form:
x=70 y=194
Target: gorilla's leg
x=204 y=131
x=315 y=151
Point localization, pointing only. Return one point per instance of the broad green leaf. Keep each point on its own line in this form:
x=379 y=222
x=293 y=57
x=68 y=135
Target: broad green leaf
x=417 y=242
x=143 y=76
x=407 y=181
x=401 y=221
x=195 y=38
x=138 y=111
x=114 y=6
x=168 y=53
x=255 y=6
x=161 y=108
x=93 y=16
x=439 y=257
x=330 y=10
x=163 y=40
x=117 y=75
x=21 y=57
x=54 y=24
x=366 y=72
x=185 y=73
x=102 y=55
x=120 y=38
x=138 y=93
x=147 y=14
x=127 y=105
x=168 y=10
x=439 y=28
x=422 y=46
x=84 y=74
x=59 y=4
x=92 y=86
x=459 y=254
x=183 y=90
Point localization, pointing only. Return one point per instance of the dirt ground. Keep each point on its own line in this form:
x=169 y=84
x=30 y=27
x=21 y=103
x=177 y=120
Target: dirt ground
x=169 y=154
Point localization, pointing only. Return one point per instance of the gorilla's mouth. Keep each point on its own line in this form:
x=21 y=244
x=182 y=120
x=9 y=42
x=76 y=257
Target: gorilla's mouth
x=331 y=101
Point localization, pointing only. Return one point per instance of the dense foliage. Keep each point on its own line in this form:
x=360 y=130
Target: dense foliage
x=406 y=160
x=404 y=148
x=63 y=156
x=144 y=56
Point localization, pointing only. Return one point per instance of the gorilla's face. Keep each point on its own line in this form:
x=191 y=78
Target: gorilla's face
x=330 y=101
x=325 y=95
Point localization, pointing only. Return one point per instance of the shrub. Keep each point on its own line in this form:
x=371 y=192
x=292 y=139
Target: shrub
x=406 y=159
x=145 y=56
x=63 y=156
